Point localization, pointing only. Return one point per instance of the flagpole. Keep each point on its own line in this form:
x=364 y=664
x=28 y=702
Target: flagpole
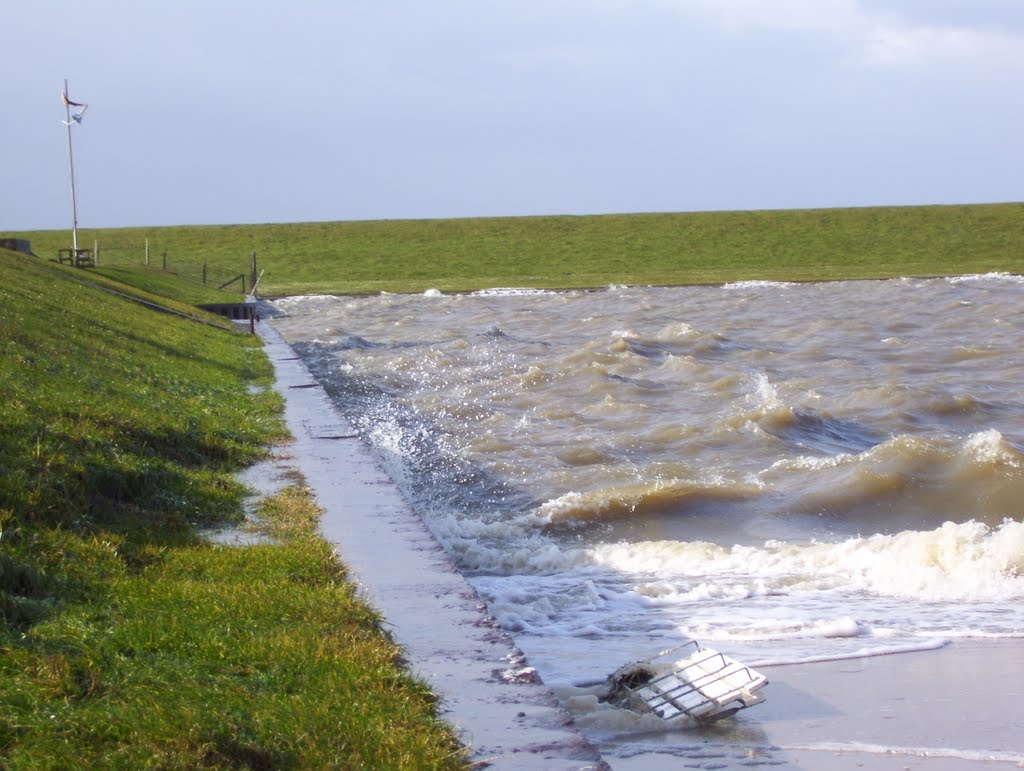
x=71 y=168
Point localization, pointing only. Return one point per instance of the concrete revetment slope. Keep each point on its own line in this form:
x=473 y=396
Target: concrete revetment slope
x=503 y=712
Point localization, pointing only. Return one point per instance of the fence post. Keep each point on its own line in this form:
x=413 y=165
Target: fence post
x=205 y=261
x=147 y=253
x=96 y=253
x=165 y=259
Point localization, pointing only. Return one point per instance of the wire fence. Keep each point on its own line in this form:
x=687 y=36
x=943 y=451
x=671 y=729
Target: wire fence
x=188 y=267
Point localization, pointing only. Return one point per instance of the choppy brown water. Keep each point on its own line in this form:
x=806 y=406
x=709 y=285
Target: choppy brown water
x=785 y=471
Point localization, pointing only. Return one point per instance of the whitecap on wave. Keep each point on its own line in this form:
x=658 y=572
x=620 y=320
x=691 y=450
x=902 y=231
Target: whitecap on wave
x=510 y=291
x=758 y=284
x=993 y=276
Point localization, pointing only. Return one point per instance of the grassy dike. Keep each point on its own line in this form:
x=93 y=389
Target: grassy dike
x=126 y=639
x=584 y=251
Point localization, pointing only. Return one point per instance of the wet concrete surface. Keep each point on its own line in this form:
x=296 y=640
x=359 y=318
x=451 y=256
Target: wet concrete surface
x=501 y=709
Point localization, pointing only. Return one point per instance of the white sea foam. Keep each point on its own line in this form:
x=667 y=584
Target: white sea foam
x=980 y=277
x=776 y=603
x=759 y=284
x=809 y=463
x=990 y=447
x=765 y=393
x=993 y=756
x=861 y=653
x=966 y=561
x=510 y=292
x=304 y=304
x=678 y=330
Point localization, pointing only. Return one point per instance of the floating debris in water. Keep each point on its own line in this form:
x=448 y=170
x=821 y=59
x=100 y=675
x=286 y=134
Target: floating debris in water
x=705 y=685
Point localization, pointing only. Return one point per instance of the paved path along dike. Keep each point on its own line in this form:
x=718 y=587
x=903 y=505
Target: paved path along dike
x=507 y=717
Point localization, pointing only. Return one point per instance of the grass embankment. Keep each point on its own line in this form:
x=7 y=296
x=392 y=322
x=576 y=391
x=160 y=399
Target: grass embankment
x=126 y=639
x=590 y=251
x=164 y=285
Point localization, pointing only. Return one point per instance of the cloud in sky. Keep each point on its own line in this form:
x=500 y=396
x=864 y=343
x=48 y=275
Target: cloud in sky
x=267 y=112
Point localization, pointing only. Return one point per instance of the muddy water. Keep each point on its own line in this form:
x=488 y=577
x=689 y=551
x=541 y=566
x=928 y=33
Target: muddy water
x=785 y=472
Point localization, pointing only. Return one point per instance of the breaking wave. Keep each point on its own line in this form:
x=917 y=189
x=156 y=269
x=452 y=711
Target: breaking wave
x=639 y=499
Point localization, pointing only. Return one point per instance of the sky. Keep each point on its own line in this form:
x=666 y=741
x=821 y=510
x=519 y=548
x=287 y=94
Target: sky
x=218 y=112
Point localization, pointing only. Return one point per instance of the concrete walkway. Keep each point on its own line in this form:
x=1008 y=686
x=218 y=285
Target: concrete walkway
x=503 y=713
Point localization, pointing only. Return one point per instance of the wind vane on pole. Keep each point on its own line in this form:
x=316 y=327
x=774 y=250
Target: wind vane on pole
x=72 y=119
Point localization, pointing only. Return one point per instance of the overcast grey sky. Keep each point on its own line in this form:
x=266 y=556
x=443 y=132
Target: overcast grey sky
x=207 y=111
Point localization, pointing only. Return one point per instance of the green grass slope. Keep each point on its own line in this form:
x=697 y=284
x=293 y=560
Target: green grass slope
x=126 y=639
x=163 y=284
x=584 y=251
x=110 y=408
